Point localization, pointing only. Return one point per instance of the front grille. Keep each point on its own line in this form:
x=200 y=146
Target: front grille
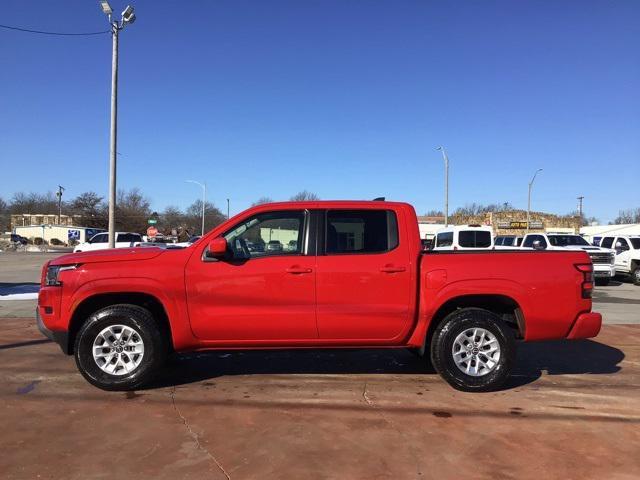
x=601 y=257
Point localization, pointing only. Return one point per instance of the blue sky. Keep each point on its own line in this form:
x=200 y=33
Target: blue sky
x=347 y=99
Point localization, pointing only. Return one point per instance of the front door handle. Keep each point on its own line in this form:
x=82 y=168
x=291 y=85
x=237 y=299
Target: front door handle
x=298 y=270
x=392 y=269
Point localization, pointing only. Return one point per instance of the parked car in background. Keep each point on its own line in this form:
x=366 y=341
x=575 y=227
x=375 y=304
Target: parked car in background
x=192 y=239
x=603 y=259
x=464 y=237
x=19 y=239
x=358 y=279
x=504 y=242
x=101 y=240
x=274 y=246
x=627 y=248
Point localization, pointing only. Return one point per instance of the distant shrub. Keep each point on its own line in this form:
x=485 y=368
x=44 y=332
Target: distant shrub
x=55 y=241
x=39 y=241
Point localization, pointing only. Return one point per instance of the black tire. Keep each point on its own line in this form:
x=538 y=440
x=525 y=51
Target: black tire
x=635 y=276
x=603 y=282
x=442 y=346
x=139 y=319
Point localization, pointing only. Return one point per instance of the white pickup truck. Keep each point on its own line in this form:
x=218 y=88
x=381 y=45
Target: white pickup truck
x=603 y=259
x=627 y=248
x=100 y=241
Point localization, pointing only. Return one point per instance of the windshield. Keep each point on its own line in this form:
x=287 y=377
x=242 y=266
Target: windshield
x=567 y=240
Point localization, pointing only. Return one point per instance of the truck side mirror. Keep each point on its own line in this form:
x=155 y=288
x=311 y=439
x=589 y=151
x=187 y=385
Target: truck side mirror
x=217 y=248
x=537 y=245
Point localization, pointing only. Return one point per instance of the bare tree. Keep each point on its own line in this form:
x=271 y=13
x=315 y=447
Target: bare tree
x=212 y=216
x=132 y=210
x=631 y=215
x=304 y=196
x=5 y=218
x=434 y=213
x=35 y=203
x=91 y=208
x=262 y=200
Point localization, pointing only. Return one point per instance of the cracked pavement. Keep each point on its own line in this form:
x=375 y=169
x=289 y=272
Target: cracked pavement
x=571 y=410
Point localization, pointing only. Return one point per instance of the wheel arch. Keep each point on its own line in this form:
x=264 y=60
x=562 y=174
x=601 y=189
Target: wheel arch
x=502 y=305
x=96 y=302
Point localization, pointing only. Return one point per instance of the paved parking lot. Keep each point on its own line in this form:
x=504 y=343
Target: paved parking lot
x=572 y=410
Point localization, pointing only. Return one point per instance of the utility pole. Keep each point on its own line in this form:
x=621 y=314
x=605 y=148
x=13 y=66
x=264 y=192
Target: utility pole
x=59 y=195
x=529 y=200
x=580 y=198
x=227 y=209
x=127 y=17
x=446 y=185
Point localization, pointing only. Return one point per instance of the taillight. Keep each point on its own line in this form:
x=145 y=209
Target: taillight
x=43 y=274
x=587 y=278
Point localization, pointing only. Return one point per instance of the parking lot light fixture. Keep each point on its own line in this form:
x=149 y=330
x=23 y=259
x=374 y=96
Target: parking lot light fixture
x=529 y=199
x=204 y=199
x=128 y=16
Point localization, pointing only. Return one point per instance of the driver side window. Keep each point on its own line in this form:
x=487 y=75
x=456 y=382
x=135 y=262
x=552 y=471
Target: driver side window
x=267 y=234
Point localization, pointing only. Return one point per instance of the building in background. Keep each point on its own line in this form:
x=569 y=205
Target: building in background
x=57 y=234
x=508 y=222
x=30 y=219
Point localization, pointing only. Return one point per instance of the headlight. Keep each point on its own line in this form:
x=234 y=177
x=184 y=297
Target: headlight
x=51 y=279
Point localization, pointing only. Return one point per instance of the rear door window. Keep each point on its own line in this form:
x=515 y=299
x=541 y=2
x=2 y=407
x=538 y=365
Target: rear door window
x=360 y=231
x=129 y=237
x=444 y=239
x=528 y=243
x=474 y=239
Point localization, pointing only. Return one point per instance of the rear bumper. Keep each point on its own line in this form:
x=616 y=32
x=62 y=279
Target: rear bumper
x=587 y=325
x=61 y=338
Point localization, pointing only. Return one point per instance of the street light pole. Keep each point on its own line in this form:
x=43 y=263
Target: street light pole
x=204 y=199
x=446 y=185
x=113 y=137
x=59 y=195
x=127 y=17
x=529 y=199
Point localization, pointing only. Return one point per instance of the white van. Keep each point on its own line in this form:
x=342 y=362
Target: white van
x=464 y=237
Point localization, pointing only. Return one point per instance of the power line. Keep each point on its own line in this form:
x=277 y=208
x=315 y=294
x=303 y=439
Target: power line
x=8 y=27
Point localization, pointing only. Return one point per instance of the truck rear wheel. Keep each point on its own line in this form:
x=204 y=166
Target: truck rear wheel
x=635 y=276
x=473 y=350
x=120 y=347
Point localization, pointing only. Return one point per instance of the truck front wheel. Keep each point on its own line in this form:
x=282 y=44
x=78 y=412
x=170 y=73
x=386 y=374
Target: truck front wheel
x=120 y=347
x=473 y=350
x=635 y=275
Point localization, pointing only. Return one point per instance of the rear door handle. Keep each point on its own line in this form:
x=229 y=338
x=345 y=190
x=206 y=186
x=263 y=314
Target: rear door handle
x=392 y=269
x=297 y=270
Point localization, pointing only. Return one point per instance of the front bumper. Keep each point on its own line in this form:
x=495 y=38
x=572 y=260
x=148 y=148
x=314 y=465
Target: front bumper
x=604 y=271
x=587 y=325
x=61 y=338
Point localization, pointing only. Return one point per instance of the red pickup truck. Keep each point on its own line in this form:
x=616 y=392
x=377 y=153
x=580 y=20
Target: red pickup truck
x=329 y=274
